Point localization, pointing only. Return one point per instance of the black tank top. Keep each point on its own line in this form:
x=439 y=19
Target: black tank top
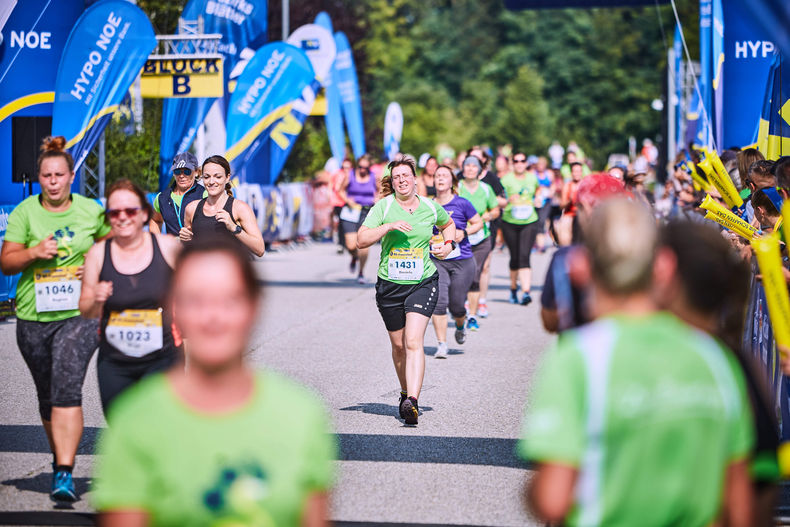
x=146 y=290
x=203 y=225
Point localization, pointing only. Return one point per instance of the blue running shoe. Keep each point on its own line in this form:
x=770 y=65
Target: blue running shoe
x=514 y=296
x=526 y=299
x=63 y=487
x=472 y=324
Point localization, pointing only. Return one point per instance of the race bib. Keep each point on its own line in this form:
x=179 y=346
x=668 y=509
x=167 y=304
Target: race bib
x=405 y=264
x=57 y=289
x=350 y=214
x=522 y=212
x=477 y=237
x=135 y=332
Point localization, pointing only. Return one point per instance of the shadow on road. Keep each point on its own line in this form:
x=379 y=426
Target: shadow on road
x=41 y=483
x=381 y=409
x=431 y=350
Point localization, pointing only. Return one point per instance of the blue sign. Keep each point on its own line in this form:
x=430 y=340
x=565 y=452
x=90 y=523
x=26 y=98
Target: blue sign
x=348 y=86
x=274 y=95
x=717 y=46
x=677 y=48
x=104 y=54
x=7 y=283
x=748 y=56
x=334 y=117
x=773 y=138
x=242 y=24
x=32 y=40
x=706 y=69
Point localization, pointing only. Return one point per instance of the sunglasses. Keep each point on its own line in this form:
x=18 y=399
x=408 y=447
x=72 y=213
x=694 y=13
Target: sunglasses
x=114 y=214
x=182 y=171
x=519 y=160
x=362 y=167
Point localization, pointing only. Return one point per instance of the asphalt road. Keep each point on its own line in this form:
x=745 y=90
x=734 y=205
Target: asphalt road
x=319 y=326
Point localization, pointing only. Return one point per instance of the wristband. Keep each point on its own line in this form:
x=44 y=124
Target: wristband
x=238 y=230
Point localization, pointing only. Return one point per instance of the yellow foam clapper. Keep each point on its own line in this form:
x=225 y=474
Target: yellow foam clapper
x=727 y=218
x=785 y=221
x=714 y=169
x=769 y=261
x=783 y=457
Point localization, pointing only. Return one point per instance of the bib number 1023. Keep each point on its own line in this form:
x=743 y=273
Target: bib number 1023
x=135 y=332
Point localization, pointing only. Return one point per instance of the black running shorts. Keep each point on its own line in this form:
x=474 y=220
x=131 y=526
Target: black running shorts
x=395 y=300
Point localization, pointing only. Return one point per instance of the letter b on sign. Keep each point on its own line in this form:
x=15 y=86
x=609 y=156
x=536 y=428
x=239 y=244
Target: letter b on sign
x=181 y=85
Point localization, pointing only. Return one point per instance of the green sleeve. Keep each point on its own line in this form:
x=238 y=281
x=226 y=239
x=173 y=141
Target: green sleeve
x=554 y=427
x=441 y=215
x=492 y=202
x=321 y=451
x=743 y=422
x=102 y=227
x=156 y=203
x=375 y=216
x=17 y=228
x=123 y=468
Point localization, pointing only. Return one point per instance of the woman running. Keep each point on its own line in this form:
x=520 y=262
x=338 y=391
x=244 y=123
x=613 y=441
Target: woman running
x=485 y=202
x=46 y=240
x=220 y=212
x=359 y=191
x=520 y=225
x=456 y=270
x=218 y=444
x=125 y=285
x=545 y=178
x=406 y=289
x=426 y=185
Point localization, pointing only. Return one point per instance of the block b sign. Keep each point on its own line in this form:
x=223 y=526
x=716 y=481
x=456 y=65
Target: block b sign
x=187 y=77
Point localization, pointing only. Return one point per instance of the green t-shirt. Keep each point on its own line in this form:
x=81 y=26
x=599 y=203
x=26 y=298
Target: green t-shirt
x=650 y=411
x=75 y=230
x=522 y=212
x=254 y=466
x=410 y=251
x=483 y=200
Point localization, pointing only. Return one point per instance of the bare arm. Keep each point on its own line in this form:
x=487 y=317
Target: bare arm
x=250 y=235
x=94 y=294
x=550 y=493
x=343 y=192
x=155 y=225
x=551 y=320
x=738 y=495
x=316 y=510
x=15 y=257
x=170 y=246
x=491 y=215
x=367 y=236
x=132 y=518
x=474 y=224
x=185 y=234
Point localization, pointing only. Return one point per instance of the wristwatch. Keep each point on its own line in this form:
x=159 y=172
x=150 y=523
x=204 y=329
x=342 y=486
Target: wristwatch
x=452 y=244
x=238 y=230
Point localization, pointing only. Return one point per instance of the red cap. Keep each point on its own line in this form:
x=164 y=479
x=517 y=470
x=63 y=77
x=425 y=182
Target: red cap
x=597 y=187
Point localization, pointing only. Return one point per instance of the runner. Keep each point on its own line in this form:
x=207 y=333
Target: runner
x=46 y=240
x=358 y=192
x=426 y=185
x=220 y=212
x=218 y=444
x=456 y=270
x=543 y=197
x=406 y=290
x=335 y=183
x=520 y=226
x=125 y=286
x=169 y=209
x=485 y=202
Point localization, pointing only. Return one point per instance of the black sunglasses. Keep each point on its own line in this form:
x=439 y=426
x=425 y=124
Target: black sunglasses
x=520 y=160
x=182 y=171
x=114 y=214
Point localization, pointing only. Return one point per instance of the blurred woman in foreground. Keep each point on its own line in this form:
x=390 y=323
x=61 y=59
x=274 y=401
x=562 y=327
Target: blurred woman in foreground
x=219 y=443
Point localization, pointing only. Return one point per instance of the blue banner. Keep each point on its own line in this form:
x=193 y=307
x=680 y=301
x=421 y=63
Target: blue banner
x=717 y=46
x=7 y=283
x=773 y=138
x=104 y=54
x=242 y=25
x=677 y=48
x=706 y=68
x=348 y=86
x=393 y=129
x=748 y=54
x=33 y=38
x=334 y=117
x=274 y=95
x=694 y=135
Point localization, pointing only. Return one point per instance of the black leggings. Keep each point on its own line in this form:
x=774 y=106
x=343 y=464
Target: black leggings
x=115 y=376
x=519 y=240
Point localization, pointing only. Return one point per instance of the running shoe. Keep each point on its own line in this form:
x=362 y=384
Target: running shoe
x=361 y=279
x=514 y=296
x=63 y=487
x=340 y=249
x=471 y=324
x=410 y=410
x=482 y=310
x=441 y=351
x=353 y=266
x=460 y=334
x=400 y=405
x=526 y=299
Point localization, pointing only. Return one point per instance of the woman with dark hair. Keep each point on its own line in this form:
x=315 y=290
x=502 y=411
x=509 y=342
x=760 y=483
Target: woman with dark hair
x=220 y=212
x=426 y=185
x=217 y=444
x=358 y=191
x=406 y=290
x=46 y=239
x=125 y=284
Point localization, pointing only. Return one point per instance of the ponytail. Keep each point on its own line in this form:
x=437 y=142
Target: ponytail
x=229 y=189
x=55 y=147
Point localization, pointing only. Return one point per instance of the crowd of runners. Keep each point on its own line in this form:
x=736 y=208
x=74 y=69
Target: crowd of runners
x=648 y=411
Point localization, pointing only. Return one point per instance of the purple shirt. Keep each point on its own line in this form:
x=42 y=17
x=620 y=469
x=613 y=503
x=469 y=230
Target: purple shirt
x=460 y=211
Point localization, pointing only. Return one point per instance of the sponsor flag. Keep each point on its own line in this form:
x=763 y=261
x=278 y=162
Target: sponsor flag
x=706 y=70
x=773 y=136
x=104 y=54
x=273 y=93
x=717 y=46
x=348 y=86
x=334 y=116
x=242 y=24
x=677 y=48
x=393 y=128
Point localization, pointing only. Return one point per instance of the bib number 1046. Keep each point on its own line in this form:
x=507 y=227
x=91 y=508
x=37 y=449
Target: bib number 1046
x=57 y=289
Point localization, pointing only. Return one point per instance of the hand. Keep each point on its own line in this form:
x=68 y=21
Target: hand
x=459 y=235
x=102 y=291
x=46 y=249
x=514 y=198
x=442 y=251
x=486 y=216
x=185 y=234
x=399 y=225
x=223 y=217
x=80 y=272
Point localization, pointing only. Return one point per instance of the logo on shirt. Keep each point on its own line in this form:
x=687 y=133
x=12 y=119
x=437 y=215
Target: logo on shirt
x=238 y=495
x=64 y=237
